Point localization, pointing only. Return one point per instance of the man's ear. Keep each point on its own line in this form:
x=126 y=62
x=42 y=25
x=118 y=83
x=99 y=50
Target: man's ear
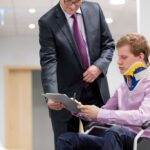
x=141 y=56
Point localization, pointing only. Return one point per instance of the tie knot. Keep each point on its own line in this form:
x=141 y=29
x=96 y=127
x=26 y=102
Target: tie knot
x=74 y=16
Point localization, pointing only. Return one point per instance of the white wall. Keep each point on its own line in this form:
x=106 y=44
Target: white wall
x=143 y=22
x=15 y=51
x=143 y=18
x=114 y=76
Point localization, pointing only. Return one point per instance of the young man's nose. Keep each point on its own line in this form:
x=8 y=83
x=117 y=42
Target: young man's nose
x=119 y=62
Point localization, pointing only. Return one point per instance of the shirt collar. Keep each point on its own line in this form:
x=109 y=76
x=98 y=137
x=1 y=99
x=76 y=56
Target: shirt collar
x=68 y=15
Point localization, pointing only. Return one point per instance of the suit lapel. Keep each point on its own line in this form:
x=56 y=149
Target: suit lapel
x=87 y=26
x=64 y=26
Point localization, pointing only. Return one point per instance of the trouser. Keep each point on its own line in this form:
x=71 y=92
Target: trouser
x=115 y=138
x=63 y=121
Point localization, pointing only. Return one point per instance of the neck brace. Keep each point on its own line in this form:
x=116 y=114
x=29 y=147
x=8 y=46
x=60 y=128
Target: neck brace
x=143 y=74
x=132 y=76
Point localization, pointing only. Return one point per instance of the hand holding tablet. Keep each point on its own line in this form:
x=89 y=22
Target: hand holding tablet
x=70 y=104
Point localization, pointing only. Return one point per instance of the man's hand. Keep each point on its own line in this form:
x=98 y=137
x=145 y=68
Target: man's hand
x=90 y=110
x=55 y=105
x=91 y=74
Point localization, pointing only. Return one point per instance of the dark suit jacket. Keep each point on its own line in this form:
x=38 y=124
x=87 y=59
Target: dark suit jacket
x=62 y=70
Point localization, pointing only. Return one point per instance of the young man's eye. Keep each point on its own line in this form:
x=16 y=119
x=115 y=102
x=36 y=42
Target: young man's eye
x=124 y=57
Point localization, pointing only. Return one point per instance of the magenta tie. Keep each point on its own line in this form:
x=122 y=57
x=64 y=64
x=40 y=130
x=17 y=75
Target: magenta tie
x=80 y=42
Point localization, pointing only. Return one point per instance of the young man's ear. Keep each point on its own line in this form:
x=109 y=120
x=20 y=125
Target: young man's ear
x=141 y=56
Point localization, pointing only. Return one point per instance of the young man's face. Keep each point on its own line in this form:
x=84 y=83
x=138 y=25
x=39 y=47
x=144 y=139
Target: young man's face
x=70 y=6
x=126 y=58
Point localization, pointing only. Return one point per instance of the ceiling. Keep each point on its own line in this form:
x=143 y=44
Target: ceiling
x=17 y=18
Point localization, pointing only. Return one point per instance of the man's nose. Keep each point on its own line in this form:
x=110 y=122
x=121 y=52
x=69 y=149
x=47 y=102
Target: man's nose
x=73 y=6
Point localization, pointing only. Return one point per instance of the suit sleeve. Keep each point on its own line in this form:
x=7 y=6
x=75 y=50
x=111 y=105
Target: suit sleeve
x=48 y=59
x=107 y=45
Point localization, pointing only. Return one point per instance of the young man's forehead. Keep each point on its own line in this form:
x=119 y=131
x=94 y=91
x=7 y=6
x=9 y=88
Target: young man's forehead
x=124 y=50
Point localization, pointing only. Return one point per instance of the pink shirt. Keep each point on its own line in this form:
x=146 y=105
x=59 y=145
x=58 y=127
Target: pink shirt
x=128 y=107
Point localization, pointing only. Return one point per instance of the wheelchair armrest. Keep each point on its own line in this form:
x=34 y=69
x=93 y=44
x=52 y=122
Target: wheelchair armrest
x=145 y=125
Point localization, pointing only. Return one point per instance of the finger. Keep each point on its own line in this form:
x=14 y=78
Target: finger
x=57 y=107
x=79 y=103
x=88 y=78
x=86 y=72
x=52 y=102
x=75 y=100
x=53 y=105
x=92 y=80
x=82 y=108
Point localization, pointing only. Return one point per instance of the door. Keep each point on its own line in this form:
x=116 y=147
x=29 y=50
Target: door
x=18 y=107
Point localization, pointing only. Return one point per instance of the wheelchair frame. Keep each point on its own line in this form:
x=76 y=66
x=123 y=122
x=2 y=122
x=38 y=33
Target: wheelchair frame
x=144 y=127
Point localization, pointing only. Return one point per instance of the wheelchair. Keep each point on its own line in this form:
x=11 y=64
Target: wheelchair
x=140 y=143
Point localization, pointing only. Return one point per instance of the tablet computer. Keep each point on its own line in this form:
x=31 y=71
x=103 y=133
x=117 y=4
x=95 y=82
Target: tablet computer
x=70 y=104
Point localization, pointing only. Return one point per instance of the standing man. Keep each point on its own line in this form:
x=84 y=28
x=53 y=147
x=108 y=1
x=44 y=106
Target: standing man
x=76 y=50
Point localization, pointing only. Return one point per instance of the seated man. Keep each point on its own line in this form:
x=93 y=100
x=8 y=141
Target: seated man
x=130 y=105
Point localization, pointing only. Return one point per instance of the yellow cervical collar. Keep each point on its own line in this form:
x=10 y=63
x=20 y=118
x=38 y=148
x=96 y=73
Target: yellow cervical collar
x=132 y=68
